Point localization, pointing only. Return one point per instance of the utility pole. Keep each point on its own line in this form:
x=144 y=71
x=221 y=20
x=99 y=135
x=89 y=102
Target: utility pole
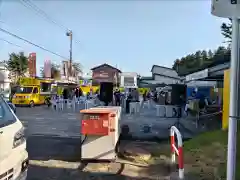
x=234 y=101
x=70 y=34
x=231 y=9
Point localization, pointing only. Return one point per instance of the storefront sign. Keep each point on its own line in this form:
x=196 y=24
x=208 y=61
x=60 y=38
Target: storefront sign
x=129 y=80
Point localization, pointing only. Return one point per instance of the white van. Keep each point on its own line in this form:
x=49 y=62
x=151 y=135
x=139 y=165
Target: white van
x=13 y=155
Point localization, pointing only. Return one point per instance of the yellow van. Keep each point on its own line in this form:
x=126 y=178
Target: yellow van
x=13 y=155
x=32 y=91
x=86 y=89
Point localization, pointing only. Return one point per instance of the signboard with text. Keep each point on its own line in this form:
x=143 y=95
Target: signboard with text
x=129 y=80
x=226 y=8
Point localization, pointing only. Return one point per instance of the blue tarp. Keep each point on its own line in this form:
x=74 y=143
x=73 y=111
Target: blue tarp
x=201 y=92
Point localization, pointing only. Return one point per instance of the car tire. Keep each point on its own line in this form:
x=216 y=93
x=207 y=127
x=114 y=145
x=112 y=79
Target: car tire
x=31 y=104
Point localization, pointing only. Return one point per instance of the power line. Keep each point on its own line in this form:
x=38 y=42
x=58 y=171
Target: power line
x=29 y=42
x=10 y=42
x=28 y=4
x=31 y=6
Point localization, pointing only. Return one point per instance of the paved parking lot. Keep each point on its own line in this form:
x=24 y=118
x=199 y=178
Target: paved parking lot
x=43 y=120
x=53 y=142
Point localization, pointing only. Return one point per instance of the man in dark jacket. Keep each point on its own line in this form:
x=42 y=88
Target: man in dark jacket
x=65 y=93
x=117 y=96
x=77 y=93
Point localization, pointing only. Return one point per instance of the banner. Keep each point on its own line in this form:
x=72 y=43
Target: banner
x=47 y=68
x=32 y=64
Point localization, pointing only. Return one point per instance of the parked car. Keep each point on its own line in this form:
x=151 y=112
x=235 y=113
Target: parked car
x=12 y=106
x=13 y=154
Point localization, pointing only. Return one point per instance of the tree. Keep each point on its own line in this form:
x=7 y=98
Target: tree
x=17 y=65
x=201 y=60
x=226 y=29
x=55 y=71
x=176 y=65
x=210 y=54
x=205 y=59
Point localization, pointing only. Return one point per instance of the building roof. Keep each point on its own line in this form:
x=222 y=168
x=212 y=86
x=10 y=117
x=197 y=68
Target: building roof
x=166 y=76
x=161 y=67
x=109 y=66
x=146 y=78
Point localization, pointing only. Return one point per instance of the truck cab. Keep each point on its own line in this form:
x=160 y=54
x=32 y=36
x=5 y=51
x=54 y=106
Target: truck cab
x=32 y=92
x=13 y=155
x=28 y=95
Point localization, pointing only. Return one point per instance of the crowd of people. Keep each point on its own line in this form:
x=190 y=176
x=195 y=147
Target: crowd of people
x=132 y=95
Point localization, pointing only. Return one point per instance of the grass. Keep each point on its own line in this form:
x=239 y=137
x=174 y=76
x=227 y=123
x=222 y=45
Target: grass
x=206 y=155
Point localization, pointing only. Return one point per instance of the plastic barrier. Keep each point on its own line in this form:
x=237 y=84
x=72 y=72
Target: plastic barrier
x=161 y=110
x=177 y=150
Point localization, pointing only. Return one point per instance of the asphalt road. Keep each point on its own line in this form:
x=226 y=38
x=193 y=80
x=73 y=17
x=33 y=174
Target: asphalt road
x=53 y=144
x=43 y=120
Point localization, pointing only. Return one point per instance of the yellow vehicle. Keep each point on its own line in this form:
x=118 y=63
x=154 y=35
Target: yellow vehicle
x=86 y=89
x=32 y=91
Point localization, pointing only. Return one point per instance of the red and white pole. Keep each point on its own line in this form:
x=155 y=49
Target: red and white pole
x=177 y=150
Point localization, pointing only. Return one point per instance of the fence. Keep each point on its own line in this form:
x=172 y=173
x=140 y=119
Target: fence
x=177 y=150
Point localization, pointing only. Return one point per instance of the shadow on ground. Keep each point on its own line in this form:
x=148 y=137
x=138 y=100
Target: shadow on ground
x=48 y=147
x=47 y=173
x=47 y=153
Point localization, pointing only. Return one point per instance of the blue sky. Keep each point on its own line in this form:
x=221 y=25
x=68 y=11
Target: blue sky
x=133 y=35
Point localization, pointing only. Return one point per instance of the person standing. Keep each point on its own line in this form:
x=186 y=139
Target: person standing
x=135 y=95
x=129 y=99
x=65 y=94
x=145 y=96
x=77 y=93
x=117 y=96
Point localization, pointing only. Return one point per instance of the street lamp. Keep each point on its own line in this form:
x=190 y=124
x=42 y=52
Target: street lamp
x=69 y=33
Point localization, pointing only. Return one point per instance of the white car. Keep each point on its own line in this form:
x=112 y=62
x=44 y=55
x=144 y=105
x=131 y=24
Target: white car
x=12 y=106
x=13 y=155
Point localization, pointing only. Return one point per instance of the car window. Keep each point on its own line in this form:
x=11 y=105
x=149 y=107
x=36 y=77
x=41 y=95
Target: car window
x=24 y=90
x=6 y=115
x=35 y=90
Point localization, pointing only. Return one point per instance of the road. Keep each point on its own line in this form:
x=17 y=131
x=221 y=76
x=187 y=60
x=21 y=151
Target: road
x=43 y=120
x=53 y=143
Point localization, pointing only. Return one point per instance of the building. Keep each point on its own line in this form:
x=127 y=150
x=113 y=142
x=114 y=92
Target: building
x=105 y=73
x=161 y=76
x=165 y=75
x=65 y=73
x=4 y=81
